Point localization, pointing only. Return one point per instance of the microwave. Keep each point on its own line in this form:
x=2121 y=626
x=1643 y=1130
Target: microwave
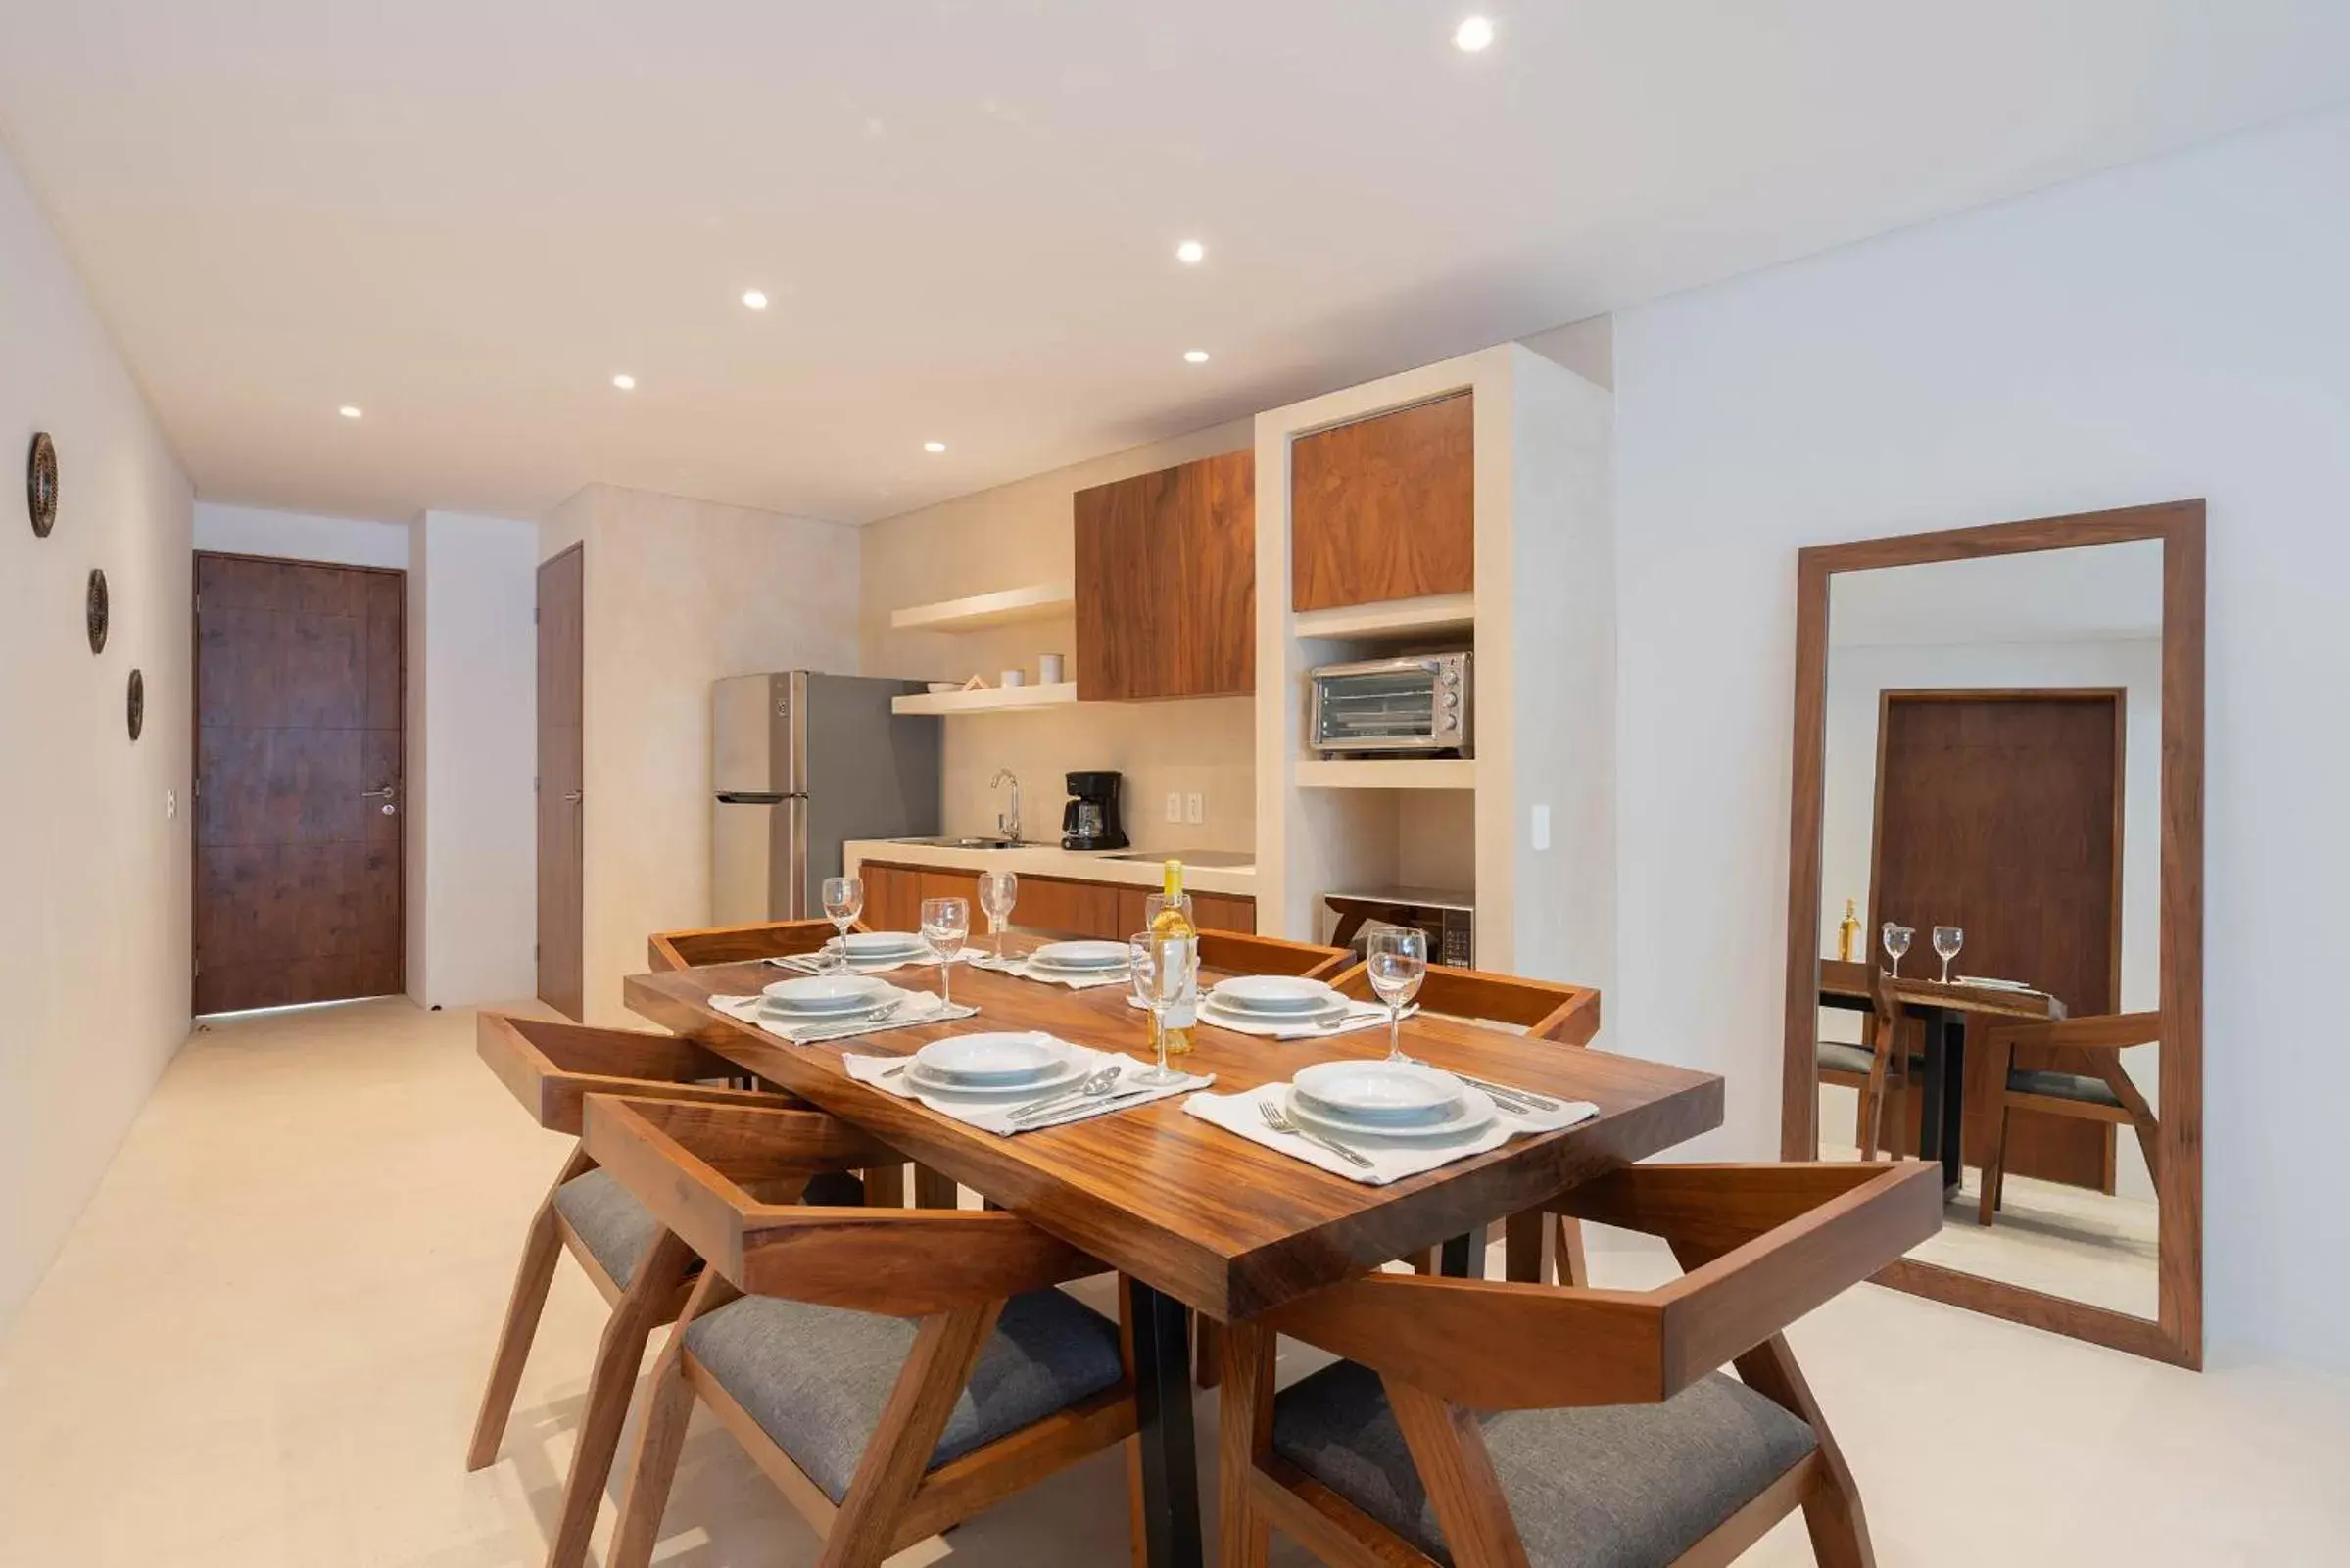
x=1410 y=706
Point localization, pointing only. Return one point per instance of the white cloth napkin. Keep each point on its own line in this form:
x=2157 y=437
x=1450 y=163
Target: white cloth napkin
x=1360 y=1016
x=1391 y=1159
x=1023 y=970
x=994 y=1115
x=915 y=1008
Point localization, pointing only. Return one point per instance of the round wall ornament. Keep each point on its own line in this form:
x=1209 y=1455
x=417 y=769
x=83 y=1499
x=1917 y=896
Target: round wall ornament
x=136 y=706
x=40 y=483
x=94 y=610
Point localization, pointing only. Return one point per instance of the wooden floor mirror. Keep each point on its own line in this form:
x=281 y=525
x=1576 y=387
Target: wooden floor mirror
x=1996 y=906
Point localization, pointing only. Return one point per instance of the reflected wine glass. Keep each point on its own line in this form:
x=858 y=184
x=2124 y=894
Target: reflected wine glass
x=844 y=902
x=1897 y=942
x=1398 y=963
x=945 y=922
x=1947 y=940
x=1161 y=969
x=999 y=891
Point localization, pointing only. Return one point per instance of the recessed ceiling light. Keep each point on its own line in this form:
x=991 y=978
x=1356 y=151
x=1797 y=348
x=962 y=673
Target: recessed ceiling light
x=349 y=411
x=625 y=382
x=934 y=446
x=1195 y=356
x=754 y=299
x=1473 y=34
x=1191 y=253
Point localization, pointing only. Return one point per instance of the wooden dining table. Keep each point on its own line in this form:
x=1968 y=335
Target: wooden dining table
x=1193 y=1215
x=1946 y=1009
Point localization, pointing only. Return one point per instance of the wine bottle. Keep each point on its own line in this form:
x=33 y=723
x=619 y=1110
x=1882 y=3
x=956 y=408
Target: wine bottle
x=1172 y=925
x=1848 y=934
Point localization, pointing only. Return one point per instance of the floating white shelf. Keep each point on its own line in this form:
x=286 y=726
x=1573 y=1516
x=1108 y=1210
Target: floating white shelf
x=996 y=699
x=1039 y=601
x=1438 y=612
x=1388 y=773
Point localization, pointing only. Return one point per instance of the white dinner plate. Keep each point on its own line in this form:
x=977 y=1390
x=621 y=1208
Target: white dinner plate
x=1389 y=1093
x=825 y=994
x=871 y=946
x=1068 y=1073
x=1472 y=1115
x=1216 y=1012
x=1093 y=955
x=991 y=1061
x=1275 y=993
x=1989 y=985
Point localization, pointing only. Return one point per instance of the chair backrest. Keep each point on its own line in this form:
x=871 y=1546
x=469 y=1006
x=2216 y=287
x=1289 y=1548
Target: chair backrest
x=737 y=944
x=1239 y=953
x=1547 y=1009
x=551 y=1068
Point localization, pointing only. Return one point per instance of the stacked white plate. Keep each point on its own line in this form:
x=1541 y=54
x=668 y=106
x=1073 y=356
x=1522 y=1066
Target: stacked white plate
x=993 y=1066
x=825 y=998
x=1080 y=960
x=1387 y=1100
x=879 y=947
x=1275 y=999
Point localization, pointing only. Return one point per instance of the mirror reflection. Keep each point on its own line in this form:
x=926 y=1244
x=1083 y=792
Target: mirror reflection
x=1989 y=905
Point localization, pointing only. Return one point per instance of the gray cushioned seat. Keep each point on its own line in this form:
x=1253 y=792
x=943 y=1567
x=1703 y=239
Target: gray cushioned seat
x=1627 y=1486
x=617 y=1228
x=2063 y=1086
x=1839 y=1057
x=815 y=1378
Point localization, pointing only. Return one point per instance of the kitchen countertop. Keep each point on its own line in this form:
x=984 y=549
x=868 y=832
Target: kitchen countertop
x=1050 y=860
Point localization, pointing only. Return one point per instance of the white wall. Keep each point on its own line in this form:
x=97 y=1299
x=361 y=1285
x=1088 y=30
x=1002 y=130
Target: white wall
x=94 y=896
x=2176 y=328
x=680 y=592
x=301 y=536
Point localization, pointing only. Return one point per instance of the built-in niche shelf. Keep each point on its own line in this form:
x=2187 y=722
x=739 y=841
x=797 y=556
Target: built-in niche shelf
x=1403 y=617
x=1039 y=601
x=993 y=699
x=1387 y=773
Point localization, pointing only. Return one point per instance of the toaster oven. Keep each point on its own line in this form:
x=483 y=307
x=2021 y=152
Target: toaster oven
x=1417 y=706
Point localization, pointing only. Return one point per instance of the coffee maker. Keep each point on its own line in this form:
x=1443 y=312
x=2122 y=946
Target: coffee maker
x=1091 y=819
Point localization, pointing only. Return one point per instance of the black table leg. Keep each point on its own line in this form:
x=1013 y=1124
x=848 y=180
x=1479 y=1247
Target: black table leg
x=1463 y=1256
x=1938 y=1114
x=1953 y=1140
x=1163 y=1400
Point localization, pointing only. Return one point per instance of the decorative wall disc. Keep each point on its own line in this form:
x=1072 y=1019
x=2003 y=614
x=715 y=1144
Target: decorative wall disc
x=137 y=703
x=40 y=484
x=95 y=609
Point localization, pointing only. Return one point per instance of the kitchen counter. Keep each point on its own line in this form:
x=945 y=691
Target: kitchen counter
x=1050 y=860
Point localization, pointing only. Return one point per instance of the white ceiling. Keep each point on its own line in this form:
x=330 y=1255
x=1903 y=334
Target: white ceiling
x=2092 y=594
x=466 y=215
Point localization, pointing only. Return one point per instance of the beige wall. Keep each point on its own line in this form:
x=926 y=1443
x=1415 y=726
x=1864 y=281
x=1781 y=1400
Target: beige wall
x=680 y=592
x=1020 y=534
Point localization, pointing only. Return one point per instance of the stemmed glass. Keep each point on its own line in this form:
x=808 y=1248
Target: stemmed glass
x=945 y=922
x=1947 y=940
x=1399 y=960
x=844 y=902
x=1164 y=969
x=1897 y=942
x=999 y=891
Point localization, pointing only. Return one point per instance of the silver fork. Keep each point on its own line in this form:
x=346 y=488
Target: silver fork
x=1096 y=1084
x=1278 y=1121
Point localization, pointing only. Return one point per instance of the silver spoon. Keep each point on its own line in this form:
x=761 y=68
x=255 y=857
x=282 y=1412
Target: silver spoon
x=1100 y=1083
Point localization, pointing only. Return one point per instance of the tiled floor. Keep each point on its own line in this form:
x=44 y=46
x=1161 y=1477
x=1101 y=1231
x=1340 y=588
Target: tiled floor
x=263 y=1344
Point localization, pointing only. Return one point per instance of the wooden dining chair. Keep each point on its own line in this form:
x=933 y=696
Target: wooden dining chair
x=1241 y=952
x=893 y=1372
x=639 y=1268
x=739 y=944
x=1881 y=1067
x=1535 y=1426
x=2105 y=1093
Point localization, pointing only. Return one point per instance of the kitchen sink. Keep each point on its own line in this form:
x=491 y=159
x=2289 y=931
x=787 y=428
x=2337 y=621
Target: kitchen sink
x=967 y=843
x=1210 y=859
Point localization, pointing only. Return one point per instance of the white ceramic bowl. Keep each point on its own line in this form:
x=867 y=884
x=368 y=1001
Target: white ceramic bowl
x=1274 y=993
x=1378 y=1093
x=826 y=993
x=1080 y=955
x=990 y=1059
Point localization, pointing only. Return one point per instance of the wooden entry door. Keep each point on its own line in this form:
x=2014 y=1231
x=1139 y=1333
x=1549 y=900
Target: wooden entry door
x=2000 y=812
x=299 y=691
x=562 y=653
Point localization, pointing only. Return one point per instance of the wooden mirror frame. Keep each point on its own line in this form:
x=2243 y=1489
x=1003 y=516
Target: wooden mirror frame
x=2175 y=1334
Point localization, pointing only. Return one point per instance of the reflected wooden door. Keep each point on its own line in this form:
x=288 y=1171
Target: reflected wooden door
x=2000 y=812
x=562 y=655
x=300 y=674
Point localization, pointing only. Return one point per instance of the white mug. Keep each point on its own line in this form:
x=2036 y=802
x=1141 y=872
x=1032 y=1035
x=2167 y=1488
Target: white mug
x=1013 y=678
x=1048 y=669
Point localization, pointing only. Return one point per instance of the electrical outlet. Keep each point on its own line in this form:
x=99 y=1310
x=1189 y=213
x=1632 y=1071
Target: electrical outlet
x=1195 y=807
x=170 y=805
x=1175 y=806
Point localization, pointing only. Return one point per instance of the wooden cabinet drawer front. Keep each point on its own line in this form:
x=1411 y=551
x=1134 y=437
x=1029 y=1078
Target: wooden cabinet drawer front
x=1384 y=509
x=893 y=897
x=1166 y=582
x=1054 y=905
x=1067 y=909
x=1211 y=912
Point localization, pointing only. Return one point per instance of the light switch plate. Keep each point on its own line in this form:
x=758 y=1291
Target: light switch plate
x=1542 y=826
x=1195 y=807
x=1175 y=806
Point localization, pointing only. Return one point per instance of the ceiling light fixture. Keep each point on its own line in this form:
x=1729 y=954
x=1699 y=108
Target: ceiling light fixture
x=934 y=446
x=754 y=299
x=625 y=382
x=1195 y=356
x=1473 y=34
x=349 y=411
x=1191 y=253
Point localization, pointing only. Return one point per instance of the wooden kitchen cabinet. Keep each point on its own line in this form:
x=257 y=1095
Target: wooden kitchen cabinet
x=893 y=897
x=1061 y=906
x=1074 y=908
x=1166 y=582
x=1384 y=509
x=1210 y=912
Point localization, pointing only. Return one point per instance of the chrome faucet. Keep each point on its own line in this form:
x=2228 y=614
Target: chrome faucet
x=1007 y=827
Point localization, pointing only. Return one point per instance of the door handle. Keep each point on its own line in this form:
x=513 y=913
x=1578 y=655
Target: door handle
x=387 y=795
x=571 y=799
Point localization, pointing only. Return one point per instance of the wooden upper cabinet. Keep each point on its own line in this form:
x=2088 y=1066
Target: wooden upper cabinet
x=1384 y=509
x=1166 y=582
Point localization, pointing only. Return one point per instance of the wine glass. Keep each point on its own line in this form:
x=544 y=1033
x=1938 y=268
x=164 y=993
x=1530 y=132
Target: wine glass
x=999 y=891
x=844 y=902
x=1161 y=969
x=1399 y=960
x=1947 y=940
x=945 y=922
x=1897 y=942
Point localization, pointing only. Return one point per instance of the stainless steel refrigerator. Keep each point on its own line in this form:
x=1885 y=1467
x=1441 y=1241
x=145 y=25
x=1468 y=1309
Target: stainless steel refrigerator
x=801 y=763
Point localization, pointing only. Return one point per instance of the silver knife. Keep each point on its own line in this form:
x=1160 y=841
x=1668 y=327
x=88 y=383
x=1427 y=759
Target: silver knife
x=1089 y=1108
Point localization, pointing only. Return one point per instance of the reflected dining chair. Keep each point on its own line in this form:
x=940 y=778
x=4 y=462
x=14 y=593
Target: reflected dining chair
x=1881 y=1068
x=893 y=1372
x=639 y=1268
x=1537 y=1426
x=2105 y=1093
x=739 y=944
x=1243 y=953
